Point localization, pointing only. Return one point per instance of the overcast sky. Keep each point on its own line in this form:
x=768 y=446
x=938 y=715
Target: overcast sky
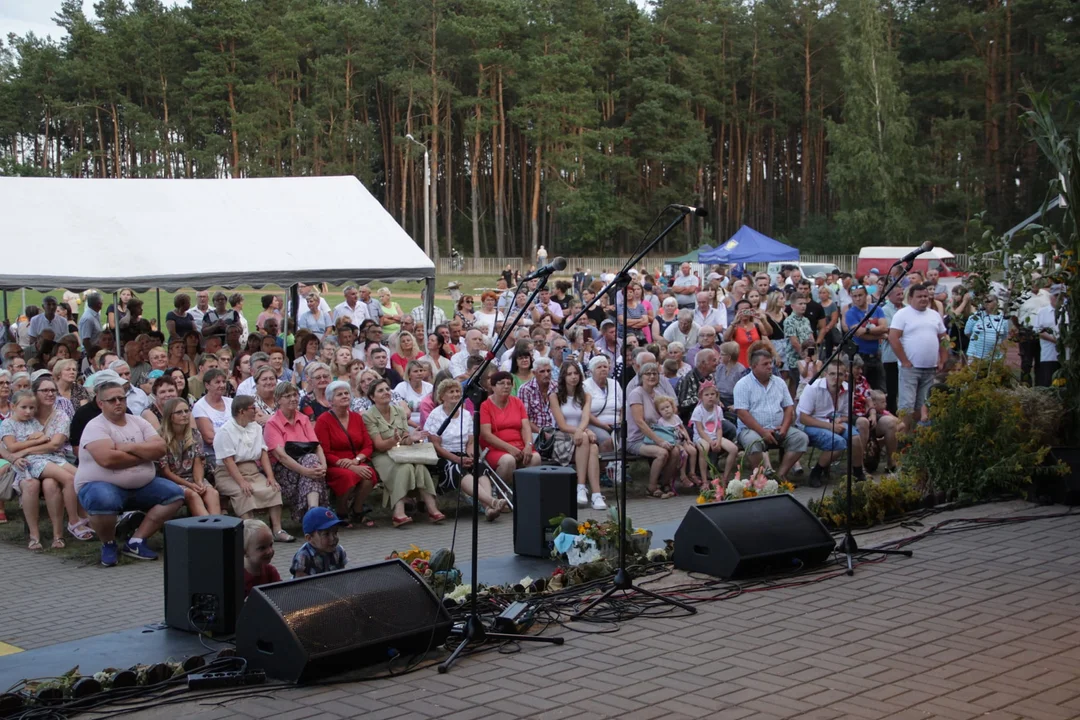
x=23 y=16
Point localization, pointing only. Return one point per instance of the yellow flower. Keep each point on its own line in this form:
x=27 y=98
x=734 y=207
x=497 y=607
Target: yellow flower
x=1059 y=382
x=700 y=499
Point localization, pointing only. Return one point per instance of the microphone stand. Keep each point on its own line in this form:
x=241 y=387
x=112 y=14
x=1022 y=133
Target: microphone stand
x=622 y=581
x=848 y=544
x=474 y=632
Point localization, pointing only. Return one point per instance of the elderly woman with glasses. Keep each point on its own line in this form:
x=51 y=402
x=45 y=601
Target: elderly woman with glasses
x=315 y=403
x=344 y=441
x=5 y=397
x=388 y=426
x=642 y=440
x=300 y=465
x=244 y=473
x=314 y=319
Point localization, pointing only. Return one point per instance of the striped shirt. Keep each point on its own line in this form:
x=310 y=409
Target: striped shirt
x=987 y=333
x=766 y=403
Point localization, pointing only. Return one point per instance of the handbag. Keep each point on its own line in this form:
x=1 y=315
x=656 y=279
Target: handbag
x=555 y=445
x=664 y=433
x=415 y=454
x=297 y=450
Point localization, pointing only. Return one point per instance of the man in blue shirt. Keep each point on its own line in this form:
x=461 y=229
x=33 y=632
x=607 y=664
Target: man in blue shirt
x=869 y=336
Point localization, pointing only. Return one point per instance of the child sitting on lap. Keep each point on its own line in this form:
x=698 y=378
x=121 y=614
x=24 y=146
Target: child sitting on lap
x=258 y=552
x=321 y=553
x=689 y=454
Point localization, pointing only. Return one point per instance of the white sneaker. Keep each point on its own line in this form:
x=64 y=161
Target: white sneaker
x=582 y=496
x=597 y=501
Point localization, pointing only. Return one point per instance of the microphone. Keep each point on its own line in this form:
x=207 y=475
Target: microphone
x=691 y=210
x=556 y=265
x=910 y=257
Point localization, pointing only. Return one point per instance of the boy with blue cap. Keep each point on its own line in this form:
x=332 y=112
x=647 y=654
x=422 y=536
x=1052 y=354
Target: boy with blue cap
x=321 y=553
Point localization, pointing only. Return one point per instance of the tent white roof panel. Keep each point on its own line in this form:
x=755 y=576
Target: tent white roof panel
x=108 y=234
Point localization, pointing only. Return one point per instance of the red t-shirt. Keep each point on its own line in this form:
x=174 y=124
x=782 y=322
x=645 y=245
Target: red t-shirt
x=505 y=422
x=401 y=360
x=268 y=575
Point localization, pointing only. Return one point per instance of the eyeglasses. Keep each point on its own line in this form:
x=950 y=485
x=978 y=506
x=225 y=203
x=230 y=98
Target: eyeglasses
x=650 y=374
x=114 y=400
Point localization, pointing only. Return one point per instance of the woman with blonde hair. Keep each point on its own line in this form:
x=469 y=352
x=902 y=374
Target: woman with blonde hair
x=66 y=374
x=184 y=462
x=407 y=351
x=391 y=312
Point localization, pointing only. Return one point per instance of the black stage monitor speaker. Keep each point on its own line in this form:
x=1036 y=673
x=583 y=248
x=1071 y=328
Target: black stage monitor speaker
x=314 y=627
x=541 y=493
x=755 y=536
x=204 y=573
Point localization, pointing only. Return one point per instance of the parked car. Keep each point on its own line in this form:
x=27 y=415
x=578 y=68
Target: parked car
x=808 y=269
x=883 y=257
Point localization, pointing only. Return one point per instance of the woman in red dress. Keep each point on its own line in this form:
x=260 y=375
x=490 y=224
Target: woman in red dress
x=348 y=448
x=505 y=429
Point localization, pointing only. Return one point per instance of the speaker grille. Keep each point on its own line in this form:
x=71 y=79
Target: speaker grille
x=344 y=609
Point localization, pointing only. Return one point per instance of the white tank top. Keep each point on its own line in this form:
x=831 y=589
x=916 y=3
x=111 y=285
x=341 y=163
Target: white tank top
x=572 y=412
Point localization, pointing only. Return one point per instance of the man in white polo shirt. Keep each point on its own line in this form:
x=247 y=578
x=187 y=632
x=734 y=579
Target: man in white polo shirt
x=706 y=314
x=822 y=415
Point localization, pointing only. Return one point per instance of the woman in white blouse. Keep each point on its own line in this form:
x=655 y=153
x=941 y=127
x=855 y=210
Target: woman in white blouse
x=212 y=411
x=414 y=389
x=244 y=474
x=455 y=446
x=606 y=409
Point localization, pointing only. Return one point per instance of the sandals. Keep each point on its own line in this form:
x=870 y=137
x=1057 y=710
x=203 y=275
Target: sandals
x=80 y=532
x=35 y=545
x=399 y=521
x=504 y=505
x=492 y=513
x=58 y=544
x=667 y=495
x=282 y=536
x=436 y=517
x=655 y=493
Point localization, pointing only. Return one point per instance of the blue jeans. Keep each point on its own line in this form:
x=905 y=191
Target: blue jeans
x=104 y=498
x=826 y=440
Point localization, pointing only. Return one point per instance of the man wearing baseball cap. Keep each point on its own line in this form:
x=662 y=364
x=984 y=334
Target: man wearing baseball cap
x=321 y=553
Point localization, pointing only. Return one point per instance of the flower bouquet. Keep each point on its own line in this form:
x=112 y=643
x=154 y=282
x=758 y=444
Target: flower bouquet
x=758 y=483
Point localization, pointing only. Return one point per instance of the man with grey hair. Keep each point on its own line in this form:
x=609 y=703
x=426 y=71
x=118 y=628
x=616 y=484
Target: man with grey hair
x=202 y=306
x=475 y=345
x=374 y=307
x=685 y=286
x=352 y=308
x=641 y=357
x=686 y=391
x=766 y=415
x=255 y=362
x=685 y=330
x=705 y=315
x=706 y=340
x=137 y=400
x=90 y=323
x=47 y=320
x=116 y=472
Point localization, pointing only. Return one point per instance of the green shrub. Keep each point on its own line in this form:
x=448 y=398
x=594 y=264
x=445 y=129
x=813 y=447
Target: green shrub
x=871 y=502
x=979 y=444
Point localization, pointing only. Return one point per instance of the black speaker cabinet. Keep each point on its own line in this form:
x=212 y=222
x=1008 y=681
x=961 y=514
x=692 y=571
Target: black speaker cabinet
x=204 y=573
x=755 y=536
x=313 y=627
x=541 y=493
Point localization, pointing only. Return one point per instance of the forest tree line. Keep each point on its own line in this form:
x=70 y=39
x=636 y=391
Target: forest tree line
x=831 y=124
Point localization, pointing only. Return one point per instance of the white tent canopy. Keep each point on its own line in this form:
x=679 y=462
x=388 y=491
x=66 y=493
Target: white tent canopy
x=108 y=234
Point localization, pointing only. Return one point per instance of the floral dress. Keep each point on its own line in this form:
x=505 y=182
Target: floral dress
x=181 y=461
x=35 y=464
x=796 y=326
x=466 y=324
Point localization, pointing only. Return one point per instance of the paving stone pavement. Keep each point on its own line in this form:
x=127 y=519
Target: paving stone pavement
x=979 y=624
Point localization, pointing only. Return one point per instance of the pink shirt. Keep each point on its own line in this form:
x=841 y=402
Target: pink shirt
x=279 y=431
x=426 y=406
x=134 y=430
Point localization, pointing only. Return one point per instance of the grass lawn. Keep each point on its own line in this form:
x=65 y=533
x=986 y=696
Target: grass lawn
x=406 y=293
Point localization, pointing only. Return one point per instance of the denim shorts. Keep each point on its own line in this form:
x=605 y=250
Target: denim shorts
x=826 y=440
x=103 y=498
x=914 y=387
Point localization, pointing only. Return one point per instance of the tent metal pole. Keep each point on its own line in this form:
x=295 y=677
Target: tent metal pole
x=429 y=305
x=285 y=323
x=7 y=324
x=116 y=314
x=159 y=325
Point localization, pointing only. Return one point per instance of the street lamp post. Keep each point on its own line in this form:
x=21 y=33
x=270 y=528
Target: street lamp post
x=427 y=195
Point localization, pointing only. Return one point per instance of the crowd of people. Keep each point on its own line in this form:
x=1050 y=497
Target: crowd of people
x=214 y=414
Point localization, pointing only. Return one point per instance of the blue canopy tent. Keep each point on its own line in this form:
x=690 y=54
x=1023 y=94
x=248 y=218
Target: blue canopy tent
x=748 y=245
